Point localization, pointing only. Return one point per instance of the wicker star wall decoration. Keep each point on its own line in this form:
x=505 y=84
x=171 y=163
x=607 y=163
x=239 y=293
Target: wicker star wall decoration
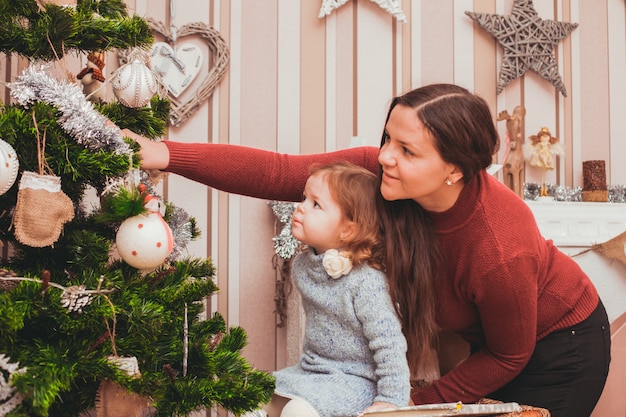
x=528 y=41
x=390 y=6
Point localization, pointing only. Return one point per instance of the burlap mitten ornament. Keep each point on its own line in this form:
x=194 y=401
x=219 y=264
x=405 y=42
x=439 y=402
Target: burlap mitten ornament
x=113 y=400
x=41 y=210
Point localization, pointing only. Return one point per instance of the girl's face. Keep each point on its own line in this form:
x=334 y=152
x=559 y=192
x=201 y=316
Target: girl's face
x=318 y=220
x=412 y=166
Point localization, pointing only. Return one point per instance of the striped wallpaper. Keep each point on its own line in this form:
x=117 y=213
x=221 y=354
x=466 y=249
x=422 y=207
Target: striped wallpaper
x=300 y=84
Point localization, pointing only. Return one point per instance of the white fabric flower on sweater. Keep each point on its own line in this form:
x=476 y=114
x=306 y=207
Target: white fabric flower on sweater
x=335 y=264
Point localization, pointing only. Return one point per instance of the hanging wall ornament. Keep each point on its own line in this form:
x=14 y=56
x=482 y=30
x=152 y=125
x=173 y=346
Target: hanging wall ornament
x=41 y=210
x=390 y=6
x=179 y=66
x=9 y=165
x=145 y=241
x=285 y=245
x=528 y=43
x=176 y=67
x=134 y=84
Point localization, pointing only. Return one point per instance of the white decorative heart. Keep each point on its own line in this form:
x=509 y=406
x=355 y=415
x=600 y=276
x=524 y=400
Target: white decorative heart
x=177 y=68
x=182 y=108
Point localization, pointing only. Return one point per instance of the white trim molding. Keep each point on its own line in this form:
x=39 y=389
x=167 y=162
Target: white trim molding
x=579 y=224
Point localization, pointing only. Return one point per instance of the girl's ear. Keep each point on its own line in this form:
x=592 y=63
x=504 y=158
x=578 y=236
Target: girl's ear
x=347 y=230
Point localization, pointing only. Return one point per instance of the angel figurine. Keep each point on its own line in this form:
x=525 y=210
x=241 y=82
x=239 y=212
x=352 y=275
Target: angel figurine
x=541 y=152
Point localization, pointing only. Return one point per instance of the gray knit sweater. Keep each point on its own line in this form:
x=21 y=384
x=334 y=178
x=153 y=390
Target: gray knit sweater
x=354 y=352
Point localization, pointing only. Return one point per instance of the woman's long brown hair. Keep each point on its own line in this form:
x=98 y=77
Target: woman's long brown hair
x=464 y=134
x=412 y=250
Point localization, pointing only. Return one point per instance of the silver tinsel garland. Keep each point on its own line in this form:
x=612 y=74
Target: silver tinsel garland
x=616 y=193
x=181 y=230
x=285 y=245
x=78 y=117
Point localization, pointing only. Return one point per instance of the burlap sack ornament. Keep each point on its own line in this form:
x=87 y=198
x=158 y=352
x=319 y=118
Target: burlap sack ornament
x=41 y=210
x=113 y=400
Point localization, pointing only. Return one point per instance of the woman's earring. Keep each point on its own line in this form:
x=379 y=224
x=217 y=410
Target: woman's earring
x=448 y=182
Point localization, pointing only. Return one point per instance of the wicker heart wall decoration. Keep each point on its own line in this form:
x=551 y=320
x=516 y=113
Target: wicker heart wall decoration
x=177 y=68
x=179 y=65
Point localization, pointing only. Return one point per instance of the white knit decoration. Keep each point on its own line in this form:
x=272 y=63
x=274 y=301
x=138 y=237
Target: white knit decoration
x=390 y=6
x=9 y=398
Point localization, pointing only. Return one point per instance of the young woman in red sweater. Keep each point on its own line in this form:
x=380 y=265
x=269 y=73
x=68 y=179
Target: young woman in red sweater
x=457 y=260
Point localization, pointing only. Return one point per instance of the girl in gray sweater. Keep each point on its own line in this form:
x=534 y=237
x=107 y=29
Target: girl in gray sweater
x=353 y=354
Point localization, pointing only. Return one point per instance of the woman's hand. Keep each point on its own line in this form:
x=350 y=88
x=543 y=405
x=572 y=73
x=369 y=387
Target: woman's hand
x=377 y=406
x=154 y=155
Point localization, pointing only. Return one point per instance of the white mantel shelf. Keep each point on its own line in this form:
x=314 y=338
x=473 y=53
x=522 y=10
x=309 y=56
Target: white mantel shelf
x=575 y=227
x=579 y=224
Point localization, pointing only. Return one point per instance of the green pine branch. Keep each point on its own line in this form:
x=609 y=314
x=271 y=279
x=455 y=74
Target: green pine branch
x=64 y=350
x=51 y=33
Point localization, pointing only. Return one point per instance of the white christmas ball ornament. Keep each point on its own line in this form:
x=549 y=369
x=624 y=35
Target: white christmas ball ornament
x=144 y=241
x=9 y=165
x=134 y=84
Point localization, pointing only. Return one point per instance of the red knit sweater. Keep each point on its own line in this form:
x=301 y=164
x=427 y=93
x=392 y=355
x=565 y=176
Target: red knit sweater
x=504 y=288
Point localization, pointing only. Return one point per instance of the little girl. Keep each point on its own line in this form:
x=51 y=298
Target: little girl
x=354 y=354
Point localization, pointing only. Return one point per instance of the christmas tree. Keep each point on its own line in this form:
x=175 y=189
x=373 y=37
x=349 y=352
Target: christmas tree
x=79 y=323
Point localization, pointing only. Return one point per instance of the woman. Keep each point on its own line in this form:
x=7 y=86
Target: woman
x=538 y=332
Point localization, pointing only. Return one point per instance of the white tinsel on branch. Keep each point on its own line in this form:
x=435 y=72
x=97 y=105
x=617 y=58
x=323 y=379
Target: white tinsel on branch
x=180 y=224
x=78 y=117
x=9 y=399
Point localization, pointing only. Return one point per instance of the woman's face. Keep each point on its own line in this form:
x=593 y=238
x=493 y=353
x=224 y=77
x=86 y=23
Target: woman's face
x=412 y=166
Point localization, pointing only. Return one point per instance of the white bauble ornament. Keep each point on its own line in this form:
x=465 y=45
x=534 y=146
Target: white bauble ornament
x=144 y=241
x=9 y=165
x=134 y=84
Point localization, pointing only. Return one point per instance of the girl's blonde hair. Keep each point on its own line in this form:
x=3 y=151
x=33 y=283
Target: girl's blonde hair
x=354 y=189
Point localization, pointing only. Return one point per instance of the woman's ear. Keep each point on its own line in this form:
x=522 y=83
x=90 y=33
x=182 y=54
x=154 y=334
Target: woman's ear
x=456 y=174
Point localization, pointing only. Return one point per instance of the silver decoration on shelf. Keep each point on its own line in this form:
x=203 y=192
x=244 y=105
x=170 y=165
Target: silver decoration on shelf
x=617 y=193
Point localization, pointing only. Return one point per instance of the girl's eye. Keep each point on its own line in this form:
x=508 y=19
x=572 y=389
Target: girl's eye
x=316 y=205
x=386 y=137
x=407 y=151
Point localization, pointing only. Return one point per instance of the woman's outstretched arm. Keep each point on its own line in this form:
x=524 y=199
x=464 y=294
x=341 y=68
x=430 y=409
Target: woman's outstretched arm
x=244 y=170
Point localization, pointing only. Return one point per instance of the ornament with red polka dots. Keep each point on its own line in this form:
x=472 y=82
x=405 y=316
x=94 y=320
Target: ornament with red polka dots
x=145 y=241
